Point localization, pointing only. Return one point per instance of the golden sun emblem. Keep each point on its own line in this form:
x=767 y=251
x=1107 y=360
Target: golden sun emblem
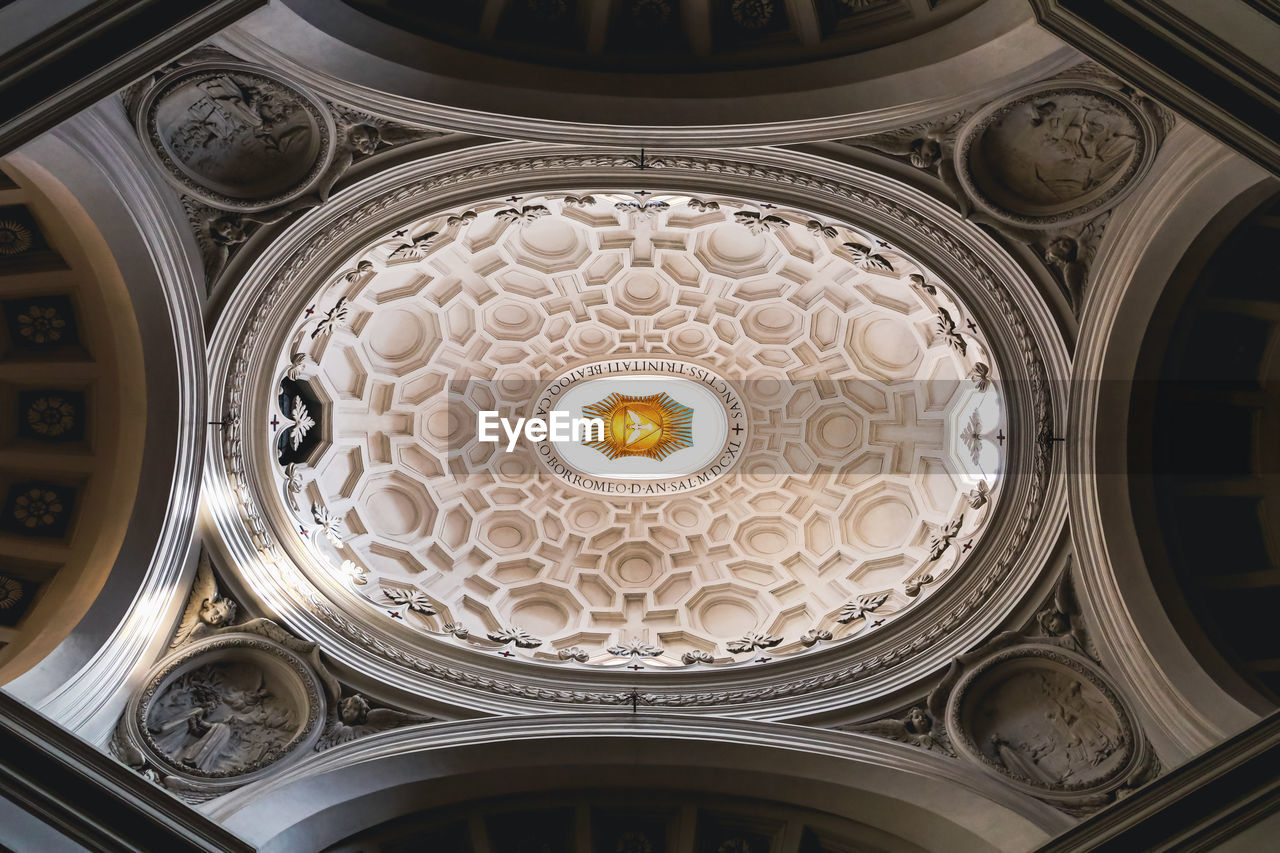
x=654 y=426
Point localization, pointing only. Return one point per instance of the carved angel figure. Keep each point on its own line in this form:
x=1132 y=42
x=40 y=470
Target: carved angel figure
x=1068 y=254
x=206 y=608
x=929 y=147
x=1060 y=622
x=357 y=719
x=916 y=728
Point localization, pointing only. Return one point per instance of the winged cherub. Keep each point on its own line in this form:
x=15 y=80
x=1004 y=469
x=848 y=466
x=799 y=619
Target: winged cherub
x=207 y=610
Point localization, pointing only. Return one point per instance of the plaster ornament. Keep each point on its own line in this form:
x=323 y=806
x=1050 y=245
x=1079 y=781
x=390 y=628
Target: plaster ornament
x=520 y=637
x=525 y=215
x=574 y=653
x=643 y=212
x=461 y=220
x=981 y=376
x=1067 y=252
x=15 y=238
x=703 y=206
x=292 y=485
x=580 y=200
x=918 y=283
x=947 y=333
x=979 y=495
x=362 y=269
x=942 y=540
x=752 y=642
x=355 y=571
x=866 y=259
x=917 y=728
x=206 y=608
x=458 y=630
x=697 y=656
x=757 y=224
x=913 y=587
x=861 y=607
x=415 y=250
x=634 y=649
x=929 y=147
x=972 y=436
x=10 y=592
x=296 y=361
x=333 y=319
x=41 y=324
x=356 y=718
x=814 y=636
x=414 y=599
x=302 y=422
x=818 y=229
x=328 y=523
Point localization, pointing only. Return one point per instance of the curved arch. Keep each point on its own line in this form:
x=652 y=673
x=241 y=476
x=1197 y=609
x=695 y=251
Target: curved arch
x=81 y=683
x=1184 y=709
x=925 y=799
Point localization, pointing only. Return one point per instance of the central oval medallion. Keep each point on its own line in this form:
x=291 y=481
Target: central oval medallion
x=643 y=427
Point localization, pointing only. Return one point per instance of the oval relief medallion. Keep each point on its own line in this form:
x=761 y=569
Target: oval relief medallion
x=1049 y=156
x=228 y=707
x=1045 y=718
x=236 y=136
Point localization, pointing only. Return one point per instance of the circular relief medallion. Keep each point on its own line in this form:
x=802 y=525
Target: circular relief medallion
x=1053 y=155
x=236 y=136
x=227 y=707
x=1045 y=718
x=642 y=427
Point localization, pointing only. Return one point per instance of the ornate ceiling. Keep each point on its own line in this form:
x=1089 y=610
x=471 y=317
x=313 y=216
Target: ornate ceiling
x=864 y=470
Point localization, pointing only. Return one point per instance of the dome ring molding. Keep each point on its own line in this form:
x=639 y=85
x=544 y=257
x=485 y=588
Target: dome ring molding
x=1001 y=296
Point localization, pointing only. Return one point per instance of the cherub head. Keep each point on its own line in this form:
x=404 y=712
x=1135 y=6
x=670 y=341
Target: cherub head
x=1054 y=622
x=353 y=710
x=1061 y=250
x=925 y=153
x=217 y=611
x=918 y=721
x=227 y=231
x=364 y=138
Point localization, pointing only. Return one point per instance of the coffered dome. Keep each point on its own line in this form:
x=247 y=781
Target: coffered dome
x=862 y=463
x=840 y=431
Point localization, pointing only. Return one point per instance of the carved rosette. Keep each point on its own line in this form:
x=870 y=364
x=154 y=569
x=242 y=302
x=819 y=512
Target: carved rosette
x=222 y=712
x=236 y=136
x=1046 y=719
x=1056 y=153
